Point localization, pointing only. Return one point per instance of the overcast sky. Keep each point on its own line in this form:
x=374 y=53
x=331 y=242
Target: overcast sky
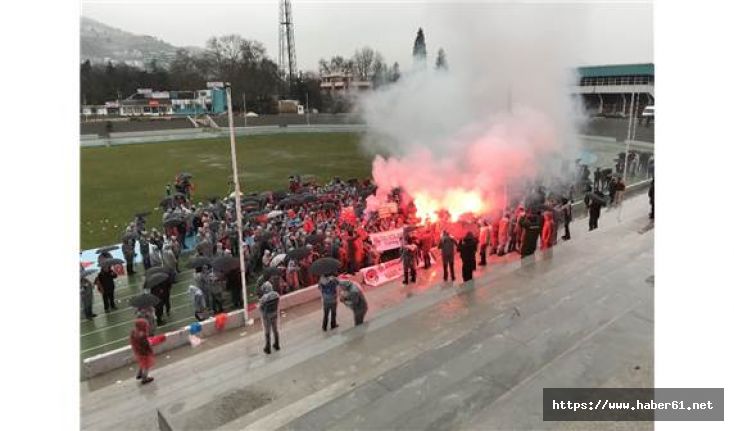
x=609 y=32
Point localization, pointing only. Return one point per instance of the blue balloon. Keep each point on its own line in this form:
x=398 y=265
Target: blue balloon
x=195 y=328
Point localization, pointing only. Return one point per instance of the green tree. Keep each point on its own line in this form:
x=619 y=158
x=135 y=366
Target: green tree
x=419 y=49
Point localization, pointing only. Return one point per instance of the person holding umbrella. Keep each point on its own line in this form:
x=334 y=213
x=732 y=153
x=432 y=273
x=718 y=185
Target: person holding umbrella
x=105 y=282
x=269 y=312
x=328 y=286
x=142 y=350
x=353 y=297
x=158 y=284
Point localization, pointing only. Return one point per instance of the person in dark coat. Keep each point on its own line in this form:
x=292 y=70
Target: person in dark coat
x=594 y=202
x=105 y=282
x=328 y=285
x=353 y=297
x=567 y=216
x=269 y=312
x=408 y=255
x=530 y=231
x=234 y=285
x=159 y=291
x=447 y=244
x=468 y=250
x=597 y=178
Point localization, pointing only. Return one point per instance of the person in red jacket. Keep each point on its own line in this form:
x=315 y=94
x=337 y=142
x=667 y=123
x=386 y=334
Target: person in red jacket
x=548 y=227
x=142 y=350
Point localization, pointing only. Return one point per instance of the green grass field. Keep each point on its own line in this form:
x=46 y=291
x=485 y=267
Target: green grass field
x=119 y=181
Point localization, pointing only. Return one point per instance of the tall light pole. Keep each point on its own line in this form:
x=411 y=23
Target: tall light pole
x=308 y=121
x=237 y=200
x=244 y=107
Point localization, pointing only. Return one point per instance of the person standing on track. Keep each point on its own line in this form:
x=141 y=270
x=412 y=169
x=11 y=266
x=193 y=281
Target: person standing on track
x=105 y=282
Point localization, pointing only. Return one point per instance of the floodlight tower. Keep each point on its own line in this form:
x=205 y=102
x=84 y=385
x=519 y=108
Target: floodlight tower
x=287 y=45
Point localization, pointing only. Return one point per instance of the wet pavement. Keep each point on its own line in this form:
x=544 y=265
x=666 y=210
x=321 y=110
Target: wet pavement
x=432 y=355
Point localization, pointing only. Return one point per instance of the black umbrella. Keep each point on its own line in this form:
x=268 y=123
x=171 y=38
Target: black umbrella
x=142 y=214
x=199 y=261
x=185 y=175
x=156 y=270
x=155 y=279
x=225 y=263
x=315 y=238
x=114 y=261
x=309 y=198
x=329 y=206
x=104 y=249
x=87 y=272
x=325 y=265
x=298 y=253
x=280 y=195
x=145 y=300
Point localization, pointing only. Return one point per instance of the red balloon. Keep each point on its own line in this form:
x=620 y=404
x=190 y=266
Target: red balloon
x=220 y=320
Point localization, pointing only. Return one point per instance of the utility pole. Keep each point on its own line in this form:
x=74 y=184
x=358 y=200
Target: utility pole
x=244 y=107
x=308 y=121
x=238 y=201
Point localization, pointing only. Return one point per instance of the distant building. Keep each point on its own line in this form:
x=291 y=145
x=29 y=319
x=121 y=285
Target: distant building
x=342 y=83
x=146 y=102
x=608 y=90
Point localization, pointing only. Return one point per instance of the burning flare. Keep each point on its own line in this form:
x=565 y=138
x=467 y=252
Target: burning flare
x=456 y=201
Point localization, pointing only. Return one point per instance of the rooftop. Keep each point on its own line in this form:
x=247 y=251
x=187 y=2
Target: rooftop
x=617 y=70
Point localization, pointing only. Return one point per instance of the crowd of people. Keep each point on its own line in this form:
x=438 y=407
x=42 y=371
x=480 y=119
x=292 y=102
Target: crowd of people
x=284 y=232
